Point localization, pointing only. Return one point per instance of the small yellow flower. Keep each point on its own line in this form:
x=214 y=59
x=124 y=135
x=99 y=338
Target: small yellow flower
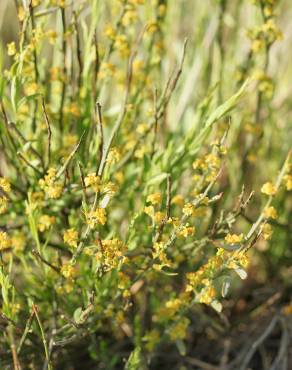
x=55 y=191
x=288 y=182
x=52 y=35
x=31 y=88
x=21 y=14
x=188 y=209
x=18 y=241
x=267 y=231
x=109 y=188
x=158 y=217
x=11 y=48
x=154 y=198
x=207 y=295
x=151 y=338
x=68 y=271
x=93 y=181
x=5 y=241
x=270 y=212
x=46 y=222
x=149 y=211
x=71 y=237
x=50 y=185
x=178 y=200
x=269 y=189
x=5 y=184
x=96 y=217
x=114 y=156
x=109 y=31
x=3 y=205
x=179 y=330
x=233 y=238
x=186 y=231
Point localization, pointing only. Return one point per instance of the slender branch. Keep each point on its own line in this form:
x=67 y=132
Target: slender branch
x=34 y=308
x=48 y=130
x=101 y=133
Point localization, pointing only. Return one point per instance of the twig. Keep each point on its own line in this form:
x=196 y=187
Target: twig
x=26 y=331
x=64 y=50
x=258 y=342
x=29 y=164
x=48 y=129
x=100 y=126
x=78 y=50
x=37 y=254
x=25 y=141
x=96 y=67
x=71 y=155
x=34 y=308
x=201 y=364
x=16 y=363
x=168 y=206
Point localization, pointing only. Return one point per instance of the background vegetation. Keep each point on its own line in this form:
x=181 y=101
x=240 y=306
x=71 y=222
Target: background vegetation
x=145 y=184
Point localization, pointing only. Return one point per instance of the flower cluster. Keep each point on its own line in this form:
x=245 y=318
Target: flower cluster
x=111 y=253
x=50 y=185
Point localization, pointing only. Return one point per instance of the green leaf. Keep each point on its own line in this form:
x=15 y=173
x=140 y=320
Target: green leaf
x=135 y=360
x=156 y=180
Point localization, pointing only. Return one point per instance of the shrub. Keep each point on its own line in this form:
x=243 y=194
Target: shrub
x=123 y=211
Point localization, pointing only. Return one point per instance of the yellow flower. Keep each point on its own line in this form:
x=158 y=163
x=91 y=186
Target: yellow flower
x=96 y=217
x=5 y=184
x=136 y=2
x=18 y=241
x=142 y=128
x=54 y=191
x=11 y=48
x=52 y=35
x=287 y=309
x=68 y=271
x=267 y=231
x=189 y=209
x=158 y=217
x=179 y=330
x=74 y=109
x=5 y=241
x=186 y=231
x=112 y=254
x=288 y=182
x=269 y=189
x=46 y=222
x=94 y=181
x=152 y=26
x=122 y=45
x=178 y=200
x=129 y=17
x=3 y=205
x=233 y=238
x=149 y=211
x=114 y=156
x=109 y=188
x=154 y=198
x=207 y=294
x=270 y=212
x=21 y=14
x=151 y=338
x=49 y=184
x=60 y=3
x=71 y=237
x=31 y=88
x=109 y=31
